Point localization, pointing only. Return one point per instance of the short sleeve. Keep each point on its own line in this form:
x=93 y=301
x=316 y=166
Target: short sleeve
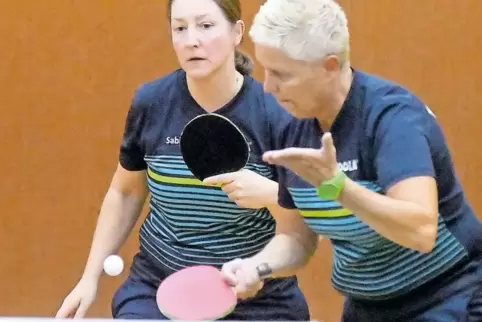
x=402 y=144
x=132 y=153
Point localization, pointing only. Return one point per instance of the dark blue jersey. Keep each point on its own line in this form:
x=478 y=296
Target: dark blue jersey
x=383 y=134
x=190 y=223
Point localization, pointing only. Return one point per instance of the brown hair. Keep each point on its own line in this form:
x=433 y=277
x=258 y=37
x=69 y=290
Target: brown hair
x=232 y=12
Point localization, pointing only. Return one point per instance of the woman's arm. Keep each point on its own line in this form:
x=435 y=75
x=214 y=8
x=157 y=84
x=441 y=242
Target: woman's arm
x=407 y=214
x=294 y=243
x=291 y=248
x=405 y=140
x=402 y=158
x=120 y=210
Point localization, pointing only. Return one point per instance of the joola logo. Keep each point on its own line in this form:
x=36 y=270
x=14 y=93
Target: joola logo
x=351 y=165
x=172 y=140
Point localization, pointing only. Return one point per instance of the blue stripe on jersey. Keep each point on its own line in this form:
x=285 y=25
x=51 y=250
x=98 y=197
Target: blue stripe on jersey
x=367 y=265
x=190 y=223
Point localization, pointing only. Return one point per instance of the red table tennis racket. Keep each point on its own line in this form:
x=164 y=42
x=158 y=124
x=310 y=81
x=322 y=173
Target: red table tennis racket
x=196 y=293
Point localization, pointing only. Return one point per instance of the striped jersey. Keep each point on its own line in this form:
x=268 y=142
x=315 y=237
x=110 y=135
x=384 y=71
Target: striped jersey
x=190 y=223
x=383 y=134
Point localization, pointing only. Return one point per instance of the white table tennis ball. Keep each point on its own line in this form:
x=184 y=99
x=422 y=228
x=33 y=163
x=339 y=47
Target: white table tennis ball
x=113 y=265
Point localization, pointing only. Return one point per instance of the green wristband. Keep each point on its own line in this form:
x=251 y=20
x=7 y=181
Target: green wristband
x=331 y=189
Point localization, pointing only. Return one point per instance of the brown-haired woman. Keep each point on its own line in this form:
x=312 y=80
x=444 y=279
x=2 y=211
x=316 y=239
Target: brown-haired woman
x=189 y=222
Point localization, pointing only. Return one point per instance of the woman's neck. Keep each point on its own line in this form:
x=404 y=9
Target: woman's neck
x=332 y=108
x=215 y=91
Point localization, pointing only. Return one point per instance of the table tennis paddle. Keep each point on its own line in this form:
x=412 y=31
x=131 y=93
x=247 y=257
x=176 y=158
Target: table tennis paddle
x=198 y=293
x=211 y=144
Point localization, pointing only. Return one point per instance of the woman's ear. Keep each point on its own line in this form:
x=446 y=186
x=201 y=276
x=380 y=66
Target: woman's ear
x=239 y=29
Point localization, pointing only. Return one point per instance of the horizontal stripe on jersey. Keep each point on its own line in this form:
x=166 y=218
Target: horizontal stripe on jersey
x=367 y=265
x=190 y=223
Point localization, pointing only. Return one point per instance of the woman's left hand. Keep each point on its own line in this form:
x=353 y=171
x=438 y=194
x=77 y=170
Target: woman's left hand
x=247 y=188
x=313 y=165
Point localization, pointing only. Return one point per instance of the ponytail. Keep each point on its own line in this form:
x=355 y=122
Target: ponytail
x=243 y=63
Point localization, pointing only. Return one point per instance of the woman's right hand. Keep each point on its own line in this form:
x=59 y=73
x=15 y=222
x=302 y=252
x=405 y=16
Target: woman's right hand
x=76 y=304
x=120 y=210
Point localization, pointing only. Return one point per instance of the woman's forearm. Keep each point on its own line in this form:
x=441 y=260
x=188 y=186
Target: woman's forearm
x=117 y=217
x=403 y=222
x=285 y=254
x=292 y=246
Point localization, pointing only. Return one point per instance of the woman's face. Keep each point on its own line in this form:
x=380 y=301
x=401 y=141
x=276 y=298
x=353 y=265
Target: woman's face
x=202 y=37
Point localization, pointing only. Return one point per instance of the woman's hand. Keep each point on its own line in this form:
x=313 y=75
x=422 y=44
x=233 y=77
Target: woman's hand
x=243 y=277
x=76 y=304
x=313 y=165
x=247 y=188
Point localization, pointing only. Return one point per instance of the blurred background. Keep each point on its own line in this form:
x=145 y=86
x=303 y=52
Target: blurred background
x=68 y=70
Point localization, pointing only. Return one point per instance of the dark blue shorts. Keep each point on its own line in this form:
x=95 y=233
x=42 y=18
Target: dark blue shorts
x=456 y=296
x=280 y=299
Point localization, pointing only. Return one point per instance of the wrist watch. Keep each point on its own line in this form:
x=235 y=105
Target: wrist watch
x=264 y=270
x=330 y=189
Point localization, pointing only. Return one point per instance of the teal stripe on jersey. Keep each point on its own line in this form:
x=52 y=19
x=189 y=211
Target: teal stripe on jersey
x=367 y=265
x=190 y=223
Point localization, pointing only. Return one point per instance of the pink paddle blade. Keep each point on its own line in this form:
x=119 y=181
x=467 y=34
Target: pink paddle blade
x=196 y=293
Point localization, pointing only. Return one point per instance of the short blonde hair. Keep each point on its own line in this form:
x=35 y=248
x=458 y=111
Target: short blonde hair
x=306 y=30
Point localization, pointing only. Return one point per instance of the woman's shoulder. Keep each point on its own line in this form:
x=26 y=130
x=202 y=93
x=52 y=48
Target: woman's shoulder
x=151 y=91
